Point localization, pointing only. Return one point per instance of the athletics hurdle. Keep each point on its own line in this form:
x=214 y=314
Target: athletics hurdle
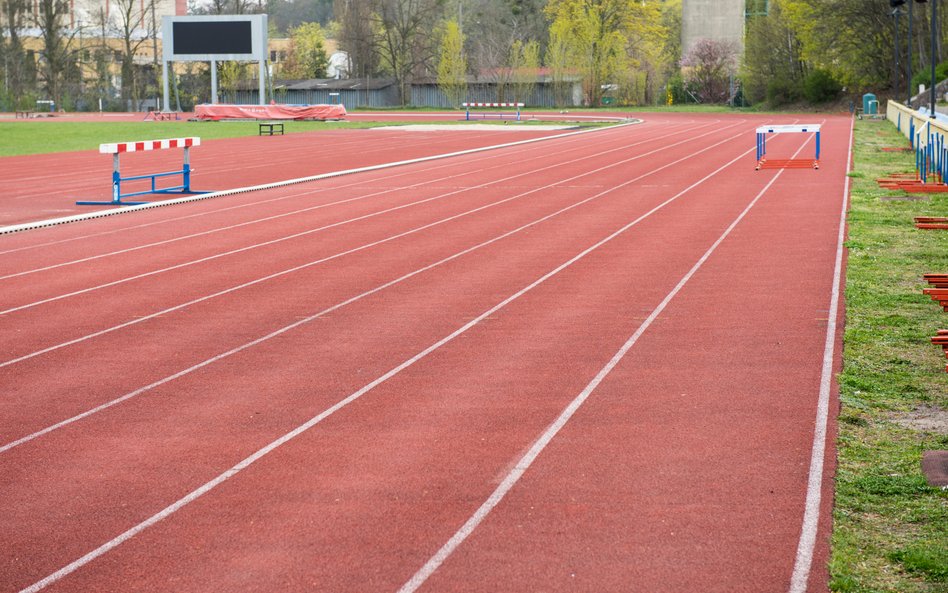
x=467 y=109
x=763 y=163
x=116 y=149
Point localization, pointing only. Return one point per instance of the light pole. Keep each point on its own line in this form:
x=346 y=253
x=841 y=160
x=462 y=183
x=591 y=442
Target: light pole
x=934 y=28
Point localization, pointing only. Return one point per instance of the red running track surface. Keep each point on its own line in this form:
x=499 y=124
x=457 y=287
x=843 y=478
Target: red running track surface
x=554 y=367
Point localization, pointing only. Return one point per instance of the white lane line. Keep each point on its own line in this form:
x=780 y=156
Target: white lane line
x=162 y=203
x=260 y=453
x=322 y=313
x=242 y=206
x=512 y=477
x=811 y=514
x=507 y=163
x=311 y=231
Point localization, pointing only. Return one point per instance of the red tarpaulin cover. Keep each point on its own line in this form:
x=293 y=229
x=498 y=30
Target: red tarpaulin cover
x=216 y=112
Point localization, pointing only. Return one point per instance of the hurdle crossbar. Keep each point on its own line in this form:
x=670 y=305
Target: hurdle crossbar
x=468 y=106
x=762 y=132
x=117 y=149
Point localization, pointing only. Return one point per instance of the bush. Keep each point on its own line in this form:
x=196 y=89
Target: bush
x=782 y=91
x=820 y=86
x=925 y=76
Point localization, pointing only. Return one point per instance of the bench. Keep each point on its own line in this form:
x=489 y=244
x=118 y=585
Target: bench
x=24 y=114
x=271 y=128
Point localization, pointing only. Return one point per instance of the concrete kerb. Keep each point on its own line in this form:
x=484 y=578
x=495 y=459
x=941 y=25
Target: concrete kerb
x=27 y=226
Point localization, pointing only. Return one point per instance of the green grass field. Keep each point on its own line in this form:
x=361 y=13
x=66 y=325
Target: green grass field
x=42 y=137
x=890 y=527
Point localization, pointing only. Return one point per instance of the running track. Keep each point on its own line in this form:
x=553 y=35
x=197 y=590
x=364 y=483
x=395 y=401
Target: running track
x=593 y=363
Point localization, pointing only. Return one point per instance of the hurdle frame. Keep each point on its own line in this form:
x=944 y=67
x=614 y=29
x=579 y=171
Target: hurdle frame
x=467 y=109
x=116 y=149
x=762 y=132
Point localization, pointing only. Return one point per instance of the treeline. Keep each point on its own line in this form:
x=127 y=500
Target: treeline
x=625 y=52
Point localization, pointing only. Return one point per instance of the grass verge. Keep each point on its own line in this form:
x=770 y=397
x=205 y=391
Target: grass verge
x=890 y=527
x=43 y=137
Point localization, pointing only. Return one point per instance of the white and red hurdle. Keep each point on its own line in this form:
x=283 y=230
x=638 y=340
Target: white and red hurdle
x=467 y=109
x=118 y=148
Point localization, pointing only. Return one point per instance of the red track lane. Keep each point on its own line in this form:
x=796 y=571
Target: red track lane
x=133 y=301
x=695 y=447
x=47 y=186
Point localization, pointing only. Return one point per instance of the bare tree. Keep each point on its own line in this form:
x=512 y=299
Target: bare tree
x=356 y=35
x=404 y=41
x=55 y=58
x=18 y=73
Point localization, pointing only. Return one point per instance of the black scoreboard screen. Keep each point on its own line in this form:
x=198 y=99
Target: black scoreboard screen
x=212 y=37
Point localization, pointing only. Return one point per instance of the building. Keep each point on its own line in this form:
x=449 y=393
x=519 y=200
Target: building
x=712 y=19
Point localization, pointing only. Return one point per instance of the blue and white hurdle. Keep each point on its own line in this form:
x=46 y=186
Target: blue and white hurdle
x=121 y=147
x=468 y=106
x=763 y=163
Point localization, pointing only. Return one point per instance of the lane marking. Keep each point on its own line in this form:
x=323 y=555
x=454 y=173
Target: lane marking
x=512 y=477
x=384 y=191
x=226 y=209
x=322 y=313
x=803 y=562
x=16 y=228
x=260 y=453
x=309 y=231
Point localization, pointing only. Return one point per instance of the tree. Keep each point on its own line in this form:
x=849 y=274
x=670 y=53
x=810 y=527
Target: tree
x=524 y=63
x=54 y=57
x=356 y=33
x=404 y=43
x=452 y=65
x=134 y=23
x=846 y=36
x=19 y=73
x=606 y=38
x=307 y=55
x=709 y=65
x=561 y=59
x=773 y=66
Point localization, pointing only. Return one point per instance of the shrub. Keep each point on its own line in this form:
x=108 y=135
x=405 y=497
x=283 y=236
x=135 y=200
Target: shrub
x=820 y=86
x=781 y=91
x=925 y=76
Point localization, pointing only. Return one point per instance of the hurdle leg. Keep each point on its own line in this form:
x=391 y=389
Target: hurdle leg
x=186 y=170
x=116 y=180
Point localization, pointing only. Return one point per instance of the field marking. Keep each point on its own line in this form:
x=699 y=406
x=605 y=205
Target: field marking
x=803 y=561
x=260 y=453
x=507 y=163
x=16 y=228
x=139 y=391
x=234 y=207
x=514 y=475
x=312 y=231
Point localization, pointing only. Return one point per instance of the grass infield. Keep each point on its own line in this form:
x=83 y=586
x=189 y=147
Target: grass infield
x=890 y=526
x=42 y=137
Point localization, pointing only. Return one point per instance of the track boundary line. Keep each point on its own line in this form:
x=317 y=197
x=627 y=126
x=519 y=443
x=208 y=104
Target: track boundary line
x=260 y=453
x=524 y=463
x=320 y=229
x=803 y=561
x=137 y=392
x=208 y=213
x=311 y=208
x=28 y=226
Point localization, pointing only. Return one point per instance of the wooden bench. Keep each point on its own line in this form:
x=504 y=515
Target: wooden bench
x=271 y=128
x=23 y=114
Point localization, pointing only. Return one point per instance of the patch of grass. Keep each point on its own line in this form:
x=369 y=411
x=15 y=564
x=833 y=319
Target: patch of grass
x=890 y=528
x=43 y=137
